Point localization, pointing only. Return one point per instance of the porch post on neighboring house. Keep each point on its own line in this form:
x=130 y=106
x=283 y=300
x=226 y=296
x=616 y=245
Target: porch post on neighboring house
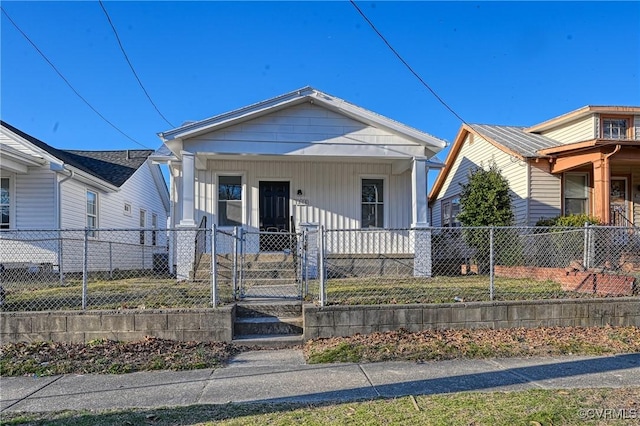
x=187 y=227
x=419 y=220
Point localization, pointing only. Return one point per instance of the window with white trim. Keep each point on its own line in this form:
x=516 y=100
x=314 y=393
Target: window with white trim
x=450 y=211
x=372 y=203
x=229 y=200
x=92 y=213
x=5 y=203
x=143 y=224
x=576 y=193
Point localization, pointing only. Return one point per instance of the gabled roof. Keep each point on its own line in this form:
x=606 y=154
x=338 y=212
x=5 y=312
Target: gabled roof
x=113 y=167
x=511 y=139
x=306 y=94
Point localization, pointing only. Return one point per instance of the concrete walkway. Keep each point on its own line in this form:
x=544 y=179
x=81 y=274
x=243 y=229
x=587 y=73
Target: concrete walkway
x=283 y=376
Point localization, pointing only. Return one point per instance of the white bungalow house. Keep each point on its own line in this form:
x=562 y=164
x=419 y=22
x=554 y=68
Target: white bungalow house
x=48 y=192
x=305 y=157
x=585 y=161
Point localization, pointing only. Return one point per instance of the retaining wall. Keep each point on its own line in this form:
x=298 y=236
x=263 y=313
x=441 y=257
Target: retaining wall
x=330 y=321
x=74 y=326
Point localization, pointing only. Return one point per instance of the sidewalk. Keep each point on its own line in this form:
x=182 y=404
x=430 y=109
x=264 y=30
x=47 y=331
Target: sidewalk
x=283 y=376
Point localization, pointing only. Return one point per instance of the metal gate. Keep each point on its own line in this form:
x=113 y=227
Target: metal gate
x=249 y=266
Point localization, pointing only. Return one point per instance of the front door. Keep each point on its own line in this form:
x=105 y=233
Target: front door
x=274 y=215
x=619 y=201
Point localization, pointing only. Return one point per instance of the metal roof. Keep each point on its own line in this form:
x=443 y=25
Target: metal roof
x=515 y=139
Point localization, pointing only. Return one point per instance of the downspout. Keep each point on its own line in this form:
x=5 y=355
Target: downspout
x=59 y=218
x=606 y=196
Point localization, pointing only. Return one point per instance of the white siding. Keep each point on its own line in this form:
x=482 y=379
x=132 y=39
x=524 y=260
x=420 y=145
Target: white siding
x=35 y=199
x=332 y=189
x=546 y=201
x=18 y=146
x=113 y=249
x=305 y=130
x=477 y=152
x=580 y=130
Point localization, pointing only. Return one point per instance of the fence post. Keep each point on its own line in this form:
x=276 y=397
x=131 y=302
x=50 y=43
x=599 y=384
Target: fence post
x=240 y=268
x=321 y=248
x=110 y=261
x=234 y=268
x=60 y=257
x=214 y=265
x=85 y=267
x=585 y=255
x=303 y=269
x=491 y=263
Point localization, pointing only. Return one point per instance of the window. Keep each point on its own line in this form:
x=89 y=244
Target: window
x=372 y=203
x=154 y=232
x=92 y=213
x=230 y=200
x=5 y=204
x=576 y=193
x=143 y=224
x=615 y=128
x=450 y=210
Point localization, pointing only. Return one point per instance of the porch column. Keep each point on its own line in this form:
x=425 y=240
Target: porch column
x=419 y=219
x=188 y=189
x=186 y=229
x=419 y=192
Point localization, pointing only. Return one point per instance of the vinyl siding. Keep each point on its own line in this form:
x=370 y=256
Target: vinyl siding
x=35 y=199
x=583 y=129
x=477 y=152
x=636 y=127
x=18 y=146
x=546 y=197
x=331 y=188
x=304 y=130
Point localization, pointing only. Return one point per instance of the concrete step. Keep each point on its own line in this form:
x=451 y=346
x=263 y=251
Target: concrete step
x=268 y=308
x=267 y=326
x=270 y=341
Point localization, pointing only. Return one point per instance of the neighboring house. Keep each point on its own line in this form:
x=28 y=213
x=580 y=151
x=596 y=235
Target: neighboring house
x=586 y=161
x=47 y=191
x=304 y=157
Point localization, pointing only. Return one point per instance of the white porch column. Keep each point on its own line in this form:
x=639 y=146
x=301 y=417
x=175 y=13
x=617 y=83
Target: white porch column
x=188 y=188
x=419 y=219
x=419 y=192
x=186 y=229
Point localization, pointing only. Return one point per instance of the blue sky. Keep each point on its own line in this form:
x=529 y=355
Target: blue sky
x=512 y=63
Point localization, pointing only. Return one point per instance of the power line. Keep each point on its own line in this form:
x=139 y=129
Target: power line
x=126 y=57
x=424 y=83
x=67 y=81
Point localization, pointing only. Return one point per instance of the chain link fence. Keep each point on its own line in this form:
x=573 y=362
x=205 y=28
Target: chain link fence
x=445 y=265
x=96 y=269
x=207 y=267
